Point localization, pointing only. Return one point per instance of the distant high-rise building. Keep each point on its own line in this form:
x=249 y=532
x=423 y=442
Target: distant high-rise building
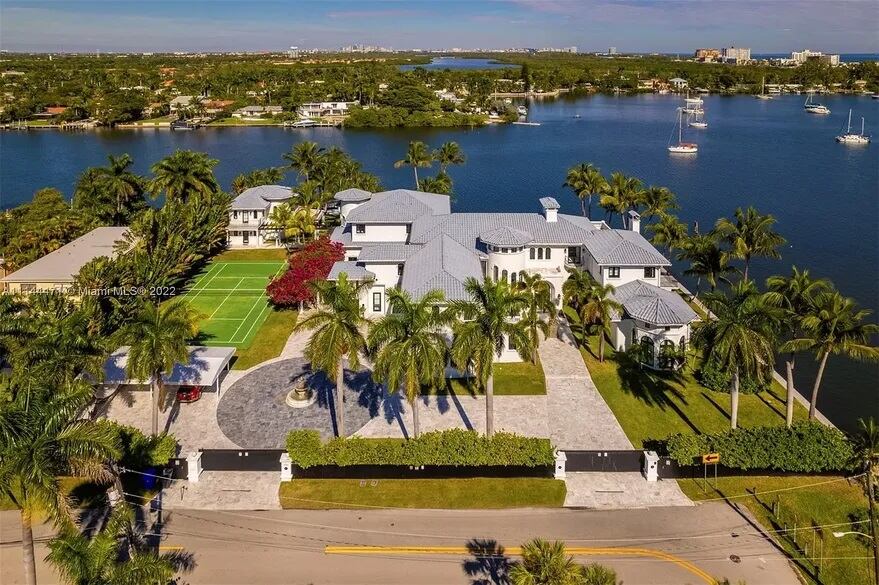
x=293 y=53
x=736 y=54
x=707 y=54
x=801 y=57
x=612 y=51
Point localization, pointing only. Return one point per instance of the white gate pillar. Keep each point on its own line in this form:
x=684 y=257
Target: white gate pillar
x=286 y=467
x=193 y=466
x=560 y=463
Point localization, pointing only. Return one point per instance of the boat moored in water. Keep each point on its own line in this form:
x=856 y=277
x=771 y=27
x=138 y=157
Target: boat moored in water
x=814 y=108
x=849 y=137
x=682 y=147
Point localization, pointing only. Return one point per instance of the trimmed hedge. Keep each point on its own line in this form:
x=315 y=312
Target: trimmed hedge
x=719 y=379
x=807 y=447
x=140 y=450
x=455 y=447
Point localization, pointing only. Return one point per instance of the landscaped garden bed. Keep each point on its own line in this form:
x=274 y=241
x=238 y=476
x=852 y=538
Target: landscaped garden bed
x=510 y=379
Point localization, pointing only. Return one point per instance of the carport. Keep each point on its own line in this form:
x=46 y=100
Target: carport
x=204 y=368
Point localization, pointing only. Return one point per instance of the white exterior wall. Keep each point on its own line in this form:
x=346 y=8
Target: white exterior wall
x=385 y=274
x=511 y=262
x=627 y=274
x=381 y=233
x=623 y=338
x=345 y=209
x=237 y=240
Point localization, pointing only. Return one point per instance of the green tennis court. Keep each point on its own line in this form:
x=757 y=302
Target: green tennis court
x=232 y=299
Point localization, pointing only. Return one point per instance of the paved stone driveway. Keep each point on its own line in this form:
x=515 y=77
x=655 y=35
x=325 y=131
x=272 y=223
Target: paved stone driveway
x=620 y=490
x=226 y=490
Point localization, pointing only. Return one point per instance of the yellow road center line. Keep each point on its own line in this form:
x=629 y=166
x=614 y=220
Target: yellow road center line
x=517 y=551
x=170 y=547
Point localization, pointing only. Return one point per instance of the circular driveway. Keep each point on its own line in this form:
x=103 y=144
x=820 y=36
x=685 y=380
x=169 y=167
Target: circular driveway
x=252 y=412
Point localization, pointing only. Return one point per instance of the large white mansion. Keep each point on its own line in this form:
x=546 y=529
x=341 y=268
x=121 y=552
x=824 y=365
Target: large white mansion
x=412 y=240
x=249 y=216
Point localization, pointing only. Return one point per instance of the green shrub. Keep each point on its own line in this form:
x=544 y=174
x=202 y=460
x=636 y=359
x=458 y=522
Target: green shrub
x=453 y=447
x=140 y=450
x=716 y=378
x=807 y=447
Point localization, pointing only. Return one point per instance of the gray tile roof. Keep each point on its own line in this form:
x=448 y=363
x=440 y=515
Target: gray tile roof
x=259 y=197
x=549 y=203
x=623 y=248
x=65 y=262
x=442 y=264
x=386 y=252
x=505 y=236
x=352 y=196
x=352 y=270
x=654 y=305
x=341 y=234
x=399 y=206
x=465 y=228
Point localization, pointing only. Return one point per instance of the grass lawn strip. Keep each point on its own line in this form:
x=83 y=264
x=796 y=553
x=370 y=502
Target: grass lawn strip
x=273 y=334
x=240 y=280
x=258 y=317
x=256 y=255
x=195 y=288
x=831 y=505
x=471 y=493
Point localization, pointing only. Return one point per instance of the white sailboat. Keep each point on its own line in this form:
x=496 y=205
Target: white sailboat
x=849 y=137
x=692 y=105
x=814 y=108
x=682 y=147
x=763 y=95
x=697 y=120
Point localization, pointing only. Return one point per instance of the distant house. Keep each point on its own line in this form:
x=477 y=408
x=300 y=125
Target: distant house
x=322 y=109
x=257 y=111
x=216 y=106
x=56 y=270
x=181 y=102
x=248 y=217
x=447 y=95
x=678 y=83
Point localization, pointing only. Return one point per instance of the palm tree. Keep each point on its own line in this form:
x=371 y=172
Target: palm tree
x=585 y=180
x=595 y=574
x=739 y=338
x=538 y=302
x=418 y=155
x=42 y=439
x=795 y=294
x=486 y=326
x=336 y=336
x=865 y=445
x=116 y=554
x=304 y=158
x=257 y=177
x=545 y=563
x=750 y=236
x=410 y=346
x=576 y=291
x=125 y=186
x=706 y=260
x=182 y=174
x=442 y=184
x=449 y=153
x=622 y=195
x=593 y=302
x=658 y=201
x=669 y=232
x=835 y=325
x=157 y=336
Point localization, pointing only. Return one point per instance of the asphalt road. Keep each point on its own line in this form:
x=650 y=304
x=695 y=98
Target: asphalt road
x=436 y=547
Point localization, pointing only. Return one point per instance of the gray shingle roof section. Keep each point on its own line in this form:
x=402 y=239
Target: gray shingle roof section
x=342 y=235
x=654 y=305
x=442 y=264
x=352 y=196
x=386 y=252
x=399 y=206
x=623 y=248
x=549 y=203
x=505 y=236
x=259 y=197
x=65 y=262
x=352 y=270
x=465 y=228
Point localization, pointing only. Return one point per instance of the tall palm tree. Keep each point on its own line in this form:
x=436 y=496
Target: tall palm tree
x=125 y=186
x=116 y=554
x=622 y=195
x=576 y=291
x=586 y=180
x=538 y=302
x=336 y=335
x=257 y=177
x=486 y=324
x=795 y=295
x=182 y=174
x=739 y=338
x=157 y=336
x=441 y=184
x=866 y=456
x=40 y=440
x=706 y=259
x=657 y=202
x=545 y=563
x=449 y=153
x=750 y=236
x=409 y=343
x=669 y=232
x=593 y=302
x=835 y=325
x=304 y=158
x=418 y=155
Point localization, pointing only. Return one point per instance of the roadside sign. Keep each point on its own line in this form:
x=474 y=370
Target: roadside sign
x=711 y=459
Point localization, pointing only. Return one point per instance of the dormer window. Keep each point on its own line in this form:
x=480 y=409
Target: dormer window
x=360 y=228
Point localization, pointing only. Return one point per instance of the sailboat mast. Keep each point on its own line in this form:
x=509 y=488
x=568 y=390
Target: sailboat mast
x=862 y=126
x=849 y=131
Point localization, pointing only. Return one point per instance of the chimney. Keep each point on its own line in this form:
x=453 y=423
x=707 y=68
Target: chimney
x=634 y=221
x=550 y=209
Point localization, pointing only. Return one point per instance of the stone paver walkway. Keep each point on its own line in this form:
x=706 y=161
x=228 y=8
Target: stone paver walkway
x=226 y=490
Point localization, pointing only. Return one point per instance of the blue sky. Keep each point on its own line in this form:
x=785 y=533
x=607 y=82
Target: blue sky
x=592 y=25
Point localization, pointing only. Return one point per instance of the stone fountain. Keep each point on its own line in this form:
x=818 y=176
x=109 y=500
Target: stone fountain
x=300 y=395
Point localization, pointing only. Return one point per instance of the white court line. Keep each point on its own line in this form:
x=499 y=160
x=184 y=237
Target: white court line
x=223 y=303
x=257 y=317
x=204 y=277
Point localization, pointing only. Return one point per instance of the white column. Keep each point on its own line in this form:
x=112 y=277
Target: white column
x=560 y=459
x=286 y=467
x=193 y=466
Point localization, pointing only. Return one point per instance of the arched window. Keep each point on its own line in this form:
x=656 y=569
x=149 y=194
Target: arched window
x=531 y=253
x=504 y=276
x=495 y=273
x=513 y=278
x=648 y=355
x=548 y=253
x=540 y=253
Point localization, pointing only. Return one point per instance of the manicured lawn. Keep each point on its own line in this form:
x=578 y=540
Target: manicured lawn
x=832 y=503
x=510 y=379
x=269 y=341
x=256 y=255
x=654 y=405
x=423 y=493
